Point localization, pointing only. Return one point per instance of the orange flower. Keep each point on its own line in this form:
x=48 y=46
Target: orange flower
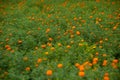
x=49 y=72
x=115 y=61
x=106 y=74
x=114 y=65
x=50 y=39
x=59 y=44
x=104 y=63
x=113 y=3
x=83 y=21
x=95 y=59
x=7 y=46
x=81 y=68
x=115 y=27
x=77 y=65
x=47 y=30
x=43 y=46
x=97 y=53
x=75 y=18
x=78 y=32
x=91 y=17
x=90 y=64
x=49 y=44
x=73 y=27
x=27 y=68
x=68 y=46
x=97 y=0
x=101 y=41
x=94 y=62
x=60 y=65
x=106 y=78
x=81 y=73
x=85 y=63
x=39 y=60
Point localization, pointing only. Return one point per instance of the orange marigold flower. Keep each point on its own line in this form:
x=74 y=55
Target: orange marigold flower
x=60 y=65
x=94 y=62
x=43 y=46
x=91 y=17
x=7 y=46
x=59 y=44
x=39 y=60
x=77 y=65
x=95 y=59
x=47 y=30
x=49 y=72
x=81 y=73
x=78 y=32
x=104 y=63
x=50 y=39
x=73 y=27
x=49 y=44
x=27 y=68
x=97 y=53
x=75 y=18
x=68 y=46
x=106 y=74
x=81 y=68
x=115 y=61
x=106 y=78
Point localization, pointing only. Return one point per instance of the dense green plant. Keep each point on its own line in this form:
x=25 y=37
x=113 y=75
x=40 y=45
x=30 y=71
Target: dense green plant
x=38 y=35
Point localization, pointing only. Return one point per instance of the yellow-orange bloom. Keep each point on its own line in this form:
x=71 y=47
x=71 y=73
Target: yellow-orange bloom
x=39 y=60
x=49 y=72
x=27 y=68
x=81 y=73
x=60 y=65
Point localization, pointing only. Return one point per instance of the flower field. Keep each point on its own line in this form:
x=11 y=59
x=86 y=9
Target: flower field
x=59 y=39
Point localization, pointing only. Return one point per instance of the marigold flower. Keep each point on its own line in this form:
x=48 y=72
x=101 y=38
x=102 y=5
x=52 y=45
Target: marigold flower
x=81 y=73
x=49 y=72
x=27 y=68
x=60 y=65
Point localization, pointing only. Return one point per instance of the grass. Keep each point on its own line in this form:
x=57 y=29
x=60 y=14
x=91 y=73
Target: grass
x=59 y=40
